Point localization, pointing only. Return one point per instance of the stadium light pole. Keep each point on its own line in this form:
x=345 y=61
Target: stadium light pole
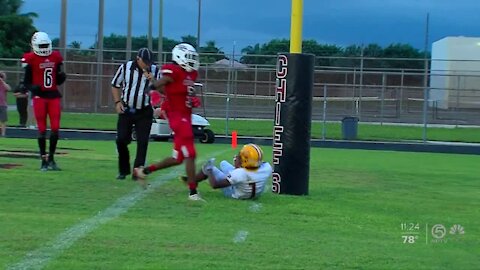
x=426 y=94
x=129 y=30
x=150 y=21
x=101 y=12
x=160 y=33
x=199 y=23
x=63 y=41
x=63 y=29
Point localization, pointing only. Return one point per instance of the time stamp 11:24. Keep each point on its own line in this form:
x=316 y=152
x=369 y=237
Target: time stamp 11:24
x=410 y=232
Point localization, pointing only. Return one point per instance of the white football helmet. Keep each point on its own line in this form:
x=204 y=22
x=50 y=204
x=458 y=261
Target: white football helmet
x=186 y=56
x=41 y=44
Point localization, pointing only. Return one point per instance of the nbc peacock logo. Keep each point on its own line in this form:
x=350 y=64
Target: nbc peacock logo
x=457 y=229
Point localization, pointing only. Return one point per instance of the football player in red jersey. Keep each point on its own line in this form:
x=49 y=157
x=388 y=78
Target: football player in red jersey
x=43 y=74
x=177 y=84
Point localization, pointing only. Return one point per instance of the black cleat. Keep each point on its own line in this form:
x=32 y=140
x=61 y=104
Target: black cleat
x=44 y=166
x=121 y=176
x=52 y=165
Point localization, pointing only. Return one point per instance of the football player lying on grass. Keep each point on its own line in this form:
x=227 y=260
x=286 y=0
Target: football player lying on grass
x=245 y=179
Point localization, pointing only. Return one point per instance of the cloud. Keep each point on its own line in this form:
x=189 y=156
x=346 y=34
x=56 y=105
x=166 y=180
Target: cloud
x=341 y=22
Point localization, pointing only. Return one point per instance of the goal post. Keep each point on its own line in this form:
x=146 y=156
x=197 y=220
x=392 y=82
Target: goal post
x=293 y=113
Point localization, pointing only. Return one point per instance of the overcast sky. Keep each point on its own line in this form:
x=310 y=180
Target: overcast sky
x=247 y=22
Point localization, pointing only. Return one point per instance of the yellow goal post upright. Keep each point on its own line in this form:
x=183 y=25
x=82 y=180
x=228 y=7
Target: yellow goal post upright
x=293 y=113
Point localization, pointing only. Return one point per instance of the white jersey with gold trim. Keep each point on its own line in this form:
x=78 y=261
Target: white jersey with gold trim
x=249 y=184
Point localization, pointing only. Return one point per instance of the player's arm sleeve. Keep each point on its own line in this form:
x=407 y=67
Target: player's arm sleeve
x=28 y=80
x=118 y=79
x=166 y=76
x=166 y=70
x=27 y=75
x=61 y=76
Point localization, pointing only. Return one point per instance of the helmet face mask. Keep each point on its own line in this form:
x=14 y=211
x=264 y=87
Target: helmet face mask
x=186 y=56
x=41 y=44
x=251 y=156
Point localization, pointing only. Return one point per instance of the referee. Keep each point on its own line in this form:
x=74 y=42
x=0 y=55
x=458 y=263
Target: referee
x=130 y=87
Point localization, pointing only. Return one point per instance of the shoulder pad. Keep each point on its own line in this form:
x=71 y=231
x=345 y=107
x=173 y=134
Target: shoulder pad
x=58 y=56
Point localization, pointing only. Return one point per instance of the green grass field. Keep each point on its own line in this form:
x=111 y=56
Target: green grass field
x=81 y=218
x=264 y=128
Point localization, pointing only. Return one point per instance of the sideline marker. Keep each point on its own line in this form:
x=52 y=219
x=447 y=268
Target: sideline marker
x=234 y=139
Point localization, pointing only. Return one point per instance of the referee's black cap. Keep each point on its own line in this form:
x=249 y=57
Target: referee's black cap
x=146 y=55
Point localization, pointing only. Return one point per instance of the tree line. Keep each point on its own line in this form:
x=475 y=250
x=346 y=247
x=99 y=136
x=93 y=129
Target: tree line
x=16 y=30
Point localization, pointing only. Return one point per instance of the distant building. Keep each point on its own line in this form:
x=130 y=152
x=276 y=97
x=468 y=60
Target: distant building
x=455 y=73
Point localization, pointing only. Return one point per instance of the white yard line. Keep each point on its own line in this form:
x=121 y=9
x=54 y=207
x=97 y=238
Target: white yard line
x=39 y=258
x=240 y=237
x=255 y=207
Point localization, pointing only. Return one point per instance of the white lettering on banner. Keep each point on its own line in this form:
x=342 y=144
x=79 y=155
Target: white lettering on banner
x=282 y=64
x=277 y=152
x=280 y=97
x=277 y=133
x=281 y=89
x=277 y=145
x=276 y=179
x=282 y=71
x=278 y=107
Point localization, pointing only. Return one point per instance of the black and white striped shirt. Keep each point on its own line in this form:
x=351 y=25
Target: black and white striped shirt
x=129 y=77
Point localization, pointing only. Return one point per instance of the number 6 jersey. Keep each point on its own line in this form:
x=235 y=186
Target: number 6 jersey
x=42 y=71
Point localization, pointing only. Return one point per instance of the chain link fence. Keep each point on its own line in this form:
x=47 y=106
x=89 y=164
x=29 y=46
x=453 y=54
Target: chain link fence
x=372 y=89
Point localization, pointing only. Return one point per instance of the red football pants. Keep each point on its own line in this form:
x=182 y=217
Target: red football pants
x=183 y=145
x=51 y=107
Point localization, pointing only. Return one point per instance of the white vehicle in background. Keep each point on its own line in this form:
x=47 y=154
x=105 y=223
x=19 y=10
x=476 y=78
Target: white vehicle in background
x=161 y=131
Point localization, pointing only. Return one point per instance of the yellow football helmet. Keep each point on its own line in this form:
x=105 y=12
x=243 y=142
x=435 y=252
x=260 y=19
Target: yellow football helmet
x=251 y=156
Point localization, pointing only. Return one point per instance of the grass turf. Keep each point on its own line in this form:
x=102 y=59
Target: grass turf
x=350 y=220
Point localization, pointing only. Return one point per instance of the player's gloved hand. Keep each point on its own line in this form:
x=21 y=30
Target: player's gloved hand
x=193 y=102
x=35 y=90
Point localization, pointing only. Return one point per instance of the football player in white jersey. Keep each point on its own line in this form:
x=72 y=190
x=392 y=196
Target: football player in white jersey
x=245 y=179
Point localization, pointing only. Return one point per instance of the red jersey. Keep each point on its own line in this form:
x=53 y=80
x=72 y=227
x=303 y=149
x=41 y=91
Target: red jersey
x=44 y=69
x=177 y=91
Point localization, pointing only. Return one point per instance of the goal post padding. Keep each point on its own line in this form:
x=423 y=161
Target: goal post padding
x=292 y=123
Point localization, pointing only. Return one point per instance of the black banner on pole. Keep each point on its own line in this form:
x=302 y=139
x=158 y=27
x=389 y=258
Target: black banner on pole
x=292 y=123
